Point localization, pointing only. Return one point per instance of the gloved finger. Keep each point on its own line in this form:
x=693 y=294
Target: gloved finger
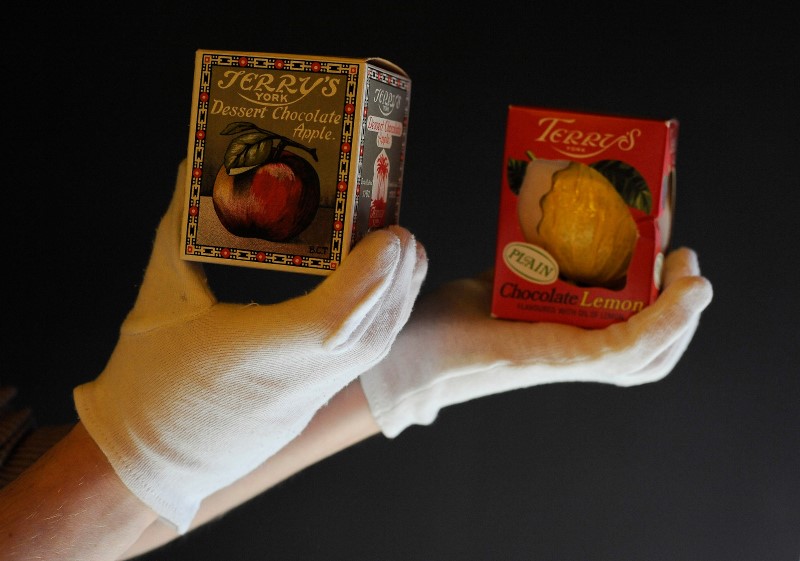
x=649 y=333
x=394 y=309
x=385 y=320
x=663 y=364
x=172 y=287
x=351 y=294
x=681 y=262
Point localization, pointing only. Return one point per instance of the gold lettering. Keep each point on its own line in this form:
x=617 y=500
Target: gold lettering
x=553 y=122
x=610 y=303
x=331 y=87
x=264 y=82
x=231 y=76
x=568 y=138
x=626 y=142
x=306 y=85
x=591 y=139
x=573 y=137
x=220 y=108
x=287 y=84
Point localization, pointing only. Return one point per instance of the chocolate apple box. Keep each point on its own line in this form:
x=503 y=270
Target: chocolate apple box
x=293 y=158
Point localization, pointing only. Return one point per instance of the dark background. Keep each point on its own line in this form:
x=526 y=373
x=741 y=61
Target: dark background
x=701 y=466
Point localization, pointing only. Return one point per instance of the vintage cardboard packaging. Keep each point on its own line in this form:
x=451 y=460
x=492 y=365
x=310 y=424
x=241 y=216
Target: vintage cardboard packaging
x=293 y=158
x=586 y=206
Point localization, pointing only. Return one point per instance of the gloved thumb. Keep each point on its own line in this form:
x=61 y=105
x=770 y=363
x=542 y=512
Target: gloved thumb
x=371 y=294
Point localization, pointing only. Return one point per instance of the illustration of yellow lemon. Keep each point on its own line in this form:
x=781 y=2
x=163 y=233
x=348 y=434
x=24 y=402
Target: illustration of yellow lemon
x=577 y=215
x=537 y=182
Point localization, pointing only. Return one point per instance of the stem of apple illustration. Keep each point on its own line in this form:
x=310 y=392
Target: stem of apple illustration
x=255 y=146
x=284 y=142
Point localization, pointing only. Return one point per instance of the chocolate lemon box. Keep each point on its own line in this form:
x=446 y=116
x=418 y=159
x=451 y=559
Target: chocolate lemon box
x=293 y=158
x=585 y=215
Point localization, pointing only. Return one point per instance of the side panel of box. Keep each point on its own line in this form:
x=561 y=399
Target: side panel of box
x=384 y=132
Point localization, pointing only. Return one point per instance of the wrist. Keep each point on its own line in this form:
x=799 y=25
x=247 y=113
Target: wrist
x=70 y=500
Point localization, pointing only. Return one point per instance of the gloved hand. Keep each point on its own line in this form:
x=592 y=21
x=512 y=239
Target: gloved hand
x=197 y=393
x=452 y=351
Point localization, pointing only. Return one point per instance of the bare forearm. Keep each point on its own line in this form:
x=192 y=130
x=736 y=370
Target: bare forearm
x=70 y=505
x=345 y=421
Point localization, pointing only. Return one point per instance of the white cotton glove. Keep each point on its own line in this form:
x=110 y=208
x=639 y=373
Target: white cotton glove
x=452 y=351
x=198 y=393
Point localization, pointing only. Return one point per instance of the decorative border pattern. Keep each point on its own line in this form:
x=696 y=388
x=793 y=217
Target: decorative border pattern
x=351 y=72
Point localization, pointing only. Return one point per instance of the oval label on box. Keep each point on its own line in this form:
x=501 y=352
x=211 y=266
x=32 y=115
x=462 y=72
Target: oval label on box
x=531 y=262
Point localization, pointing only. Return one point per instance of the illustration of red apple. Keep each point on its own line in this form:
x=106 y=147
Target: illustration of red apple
x=263 y=190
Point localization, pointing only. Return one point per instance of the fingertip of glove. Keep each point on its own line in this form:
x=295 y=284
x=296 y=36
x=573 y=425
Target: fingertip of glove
x=677 y=307
x=397 y=230
x=421 y=270
x=702 y=290
x=410 y=246
x=422 y=259
x=681 y=262
x=694 y=293
x=382 y=247
x=415 y=253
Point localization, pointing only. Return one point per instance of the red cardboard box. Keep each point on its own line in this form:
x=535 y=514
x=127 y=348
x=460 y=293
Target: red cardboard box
x=585 y=215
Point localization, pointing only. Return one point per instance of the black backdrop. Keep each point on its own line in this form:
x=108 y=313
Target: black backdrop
x=701 y=466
